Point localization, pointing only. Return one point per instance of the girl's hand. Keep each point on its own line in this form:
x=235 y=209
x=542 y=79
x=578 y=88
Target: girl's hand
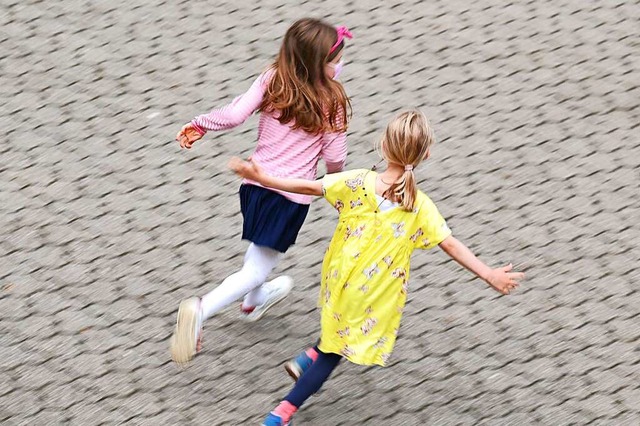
x=188 y=135
x=247 y=169
x=250 y=170
x=502 y=280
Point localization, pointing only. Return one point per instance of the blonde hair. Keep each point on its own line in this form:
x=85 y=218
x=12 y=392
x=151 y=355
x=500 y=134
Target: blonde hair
x=300 y=90
x=406 y=142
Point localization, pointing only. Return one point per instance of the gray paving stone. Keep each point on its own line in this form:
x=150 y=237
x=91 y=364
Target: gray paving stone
x=108 y=225
x=48 y=417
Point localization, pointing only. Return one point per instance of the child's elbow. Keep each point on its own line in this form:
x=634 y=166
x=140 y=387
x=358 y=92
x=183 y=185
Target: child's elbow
x=314 y=188
x=448 y=244
x=235 y=121
x=235 y=116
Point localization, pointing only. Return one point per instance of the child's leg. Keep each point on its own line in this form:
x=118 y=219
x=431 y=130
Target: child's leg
x=258 y=295
x=308 y=384
x=255 y=297
x=313 y=379
x=259 y=261
x=258 y=264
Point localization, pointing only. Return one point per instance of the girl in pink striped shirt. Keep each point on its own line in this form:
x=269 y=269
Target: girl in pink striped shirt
x=304 y=114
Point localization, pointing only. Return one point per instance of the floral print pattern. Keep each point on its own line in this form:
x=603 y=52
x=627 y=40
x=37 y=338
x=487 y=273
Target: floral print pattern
x=366 y=269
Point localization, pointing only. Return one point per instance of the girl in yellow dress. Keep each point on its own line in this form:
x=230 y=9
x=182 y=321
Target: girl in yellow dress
x=382 y=219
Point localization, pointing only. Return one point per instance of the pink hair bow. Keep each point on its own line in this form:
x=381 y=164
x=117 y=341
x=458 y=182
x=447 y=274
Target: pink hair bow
x=342 y=33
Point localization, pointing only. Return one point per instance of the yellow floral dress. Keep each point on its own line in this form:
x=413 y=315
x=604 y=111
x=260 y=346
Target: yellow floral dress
x=366 y=268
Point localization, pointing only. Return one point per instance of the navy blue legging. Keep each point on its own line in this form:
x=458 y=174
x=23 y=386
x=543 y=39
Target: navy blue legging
x=313 y=379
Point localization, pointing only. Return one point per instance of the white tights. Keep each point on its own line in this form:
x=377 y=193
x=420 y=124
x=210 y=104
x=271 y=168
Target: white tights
x=259 y=261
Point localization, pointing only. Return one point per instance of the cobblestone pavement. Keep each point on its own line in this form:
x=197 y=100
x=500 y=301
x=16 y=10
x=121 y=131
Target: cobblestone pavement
x=106 y=224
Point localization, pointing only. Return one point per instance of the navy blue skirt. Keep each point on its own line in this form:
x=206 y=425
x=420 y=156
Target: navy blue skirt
x=270 y=219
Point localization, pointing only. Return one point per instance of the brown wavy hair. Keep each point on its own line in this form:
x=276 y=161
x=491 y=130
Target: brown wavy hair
x=299 y=90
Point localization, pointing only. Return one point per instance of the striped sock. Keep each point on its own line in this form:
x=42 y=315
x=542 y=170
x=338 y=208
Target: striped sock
x=312 y=353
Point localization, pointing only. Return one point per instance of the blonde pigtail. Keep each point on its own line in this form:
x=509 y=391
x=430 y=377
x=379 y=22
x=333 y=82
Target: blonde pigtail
x=409 y=190
x=406 y=141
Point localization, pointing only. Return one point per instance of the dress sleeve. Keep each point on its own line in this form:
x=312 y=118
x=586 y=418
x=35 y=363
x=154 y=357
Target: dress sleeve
x=339 y=188
x=237 y=112
x=433 y=229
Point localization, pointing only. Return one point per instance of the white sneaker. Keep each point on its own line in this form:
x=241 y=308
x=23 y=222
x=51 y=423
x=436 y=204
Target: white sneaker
x=277 y=290
x=187 y=336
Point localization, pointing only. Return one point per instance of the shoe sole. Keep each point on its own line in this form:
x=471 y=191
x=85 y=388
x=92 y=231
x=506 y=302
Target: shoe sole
x=293 y=371
x=183 y=341
x=256 y=317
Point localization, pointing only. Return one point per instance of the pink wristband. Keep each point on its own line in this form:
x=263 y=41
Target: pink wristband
x=198 y=128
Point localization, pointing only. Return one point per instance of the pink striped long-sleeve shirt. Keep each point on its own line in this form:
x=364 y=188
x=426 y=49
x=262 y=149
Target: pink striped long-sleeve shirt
x=281 y=151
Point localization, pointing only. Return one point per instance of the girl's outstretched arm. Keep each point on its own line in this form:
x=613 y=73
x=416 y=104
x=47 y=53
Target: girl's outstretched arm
x=236 y=112
x=226 y=117
x=501 y=279
x=250 y=170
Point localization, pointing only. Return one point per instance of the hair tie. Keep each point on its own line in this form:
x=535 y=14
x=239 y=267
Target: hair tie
x=408 y=168
x=342 y=33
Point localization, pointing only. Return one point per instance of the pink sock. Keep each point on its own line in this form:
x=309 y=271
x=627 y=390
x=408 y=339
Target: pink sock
x=285 y=411
x=312 y=353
